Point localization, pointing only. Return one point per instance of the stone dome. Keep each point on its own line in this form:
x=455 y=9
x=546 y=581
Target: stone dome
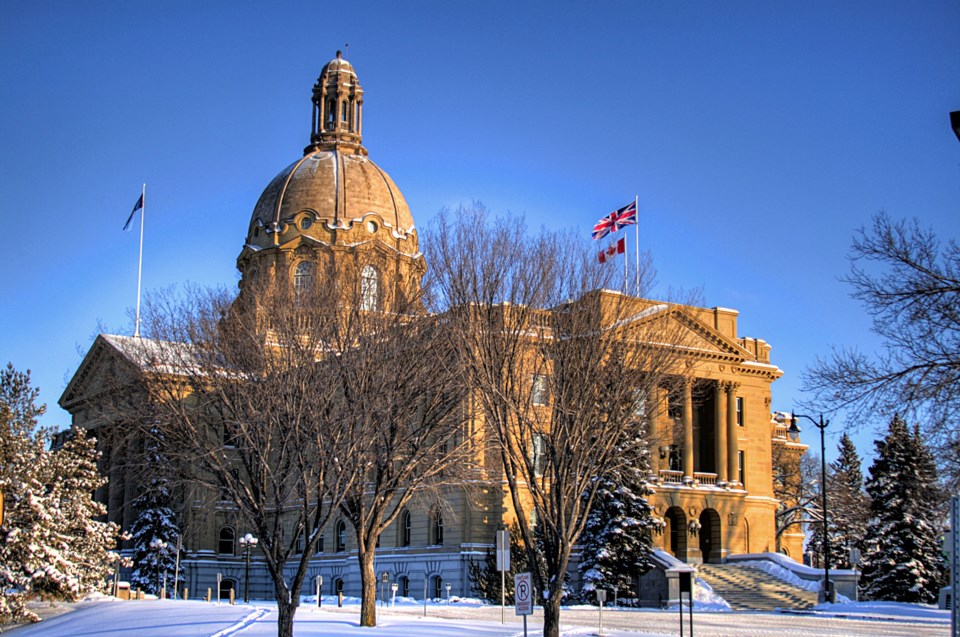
x=337 y=189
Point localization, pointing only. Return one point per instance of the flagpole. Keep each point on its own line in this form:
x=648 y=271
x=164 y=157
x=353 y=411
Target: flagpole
x=143 y=213
x=636 y=228
x=626 y=268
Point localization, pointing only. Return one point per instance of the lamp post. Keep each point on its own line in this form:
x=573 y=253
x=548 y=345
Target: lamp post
x=247 y=542
x=829 y=595
x=158 y=545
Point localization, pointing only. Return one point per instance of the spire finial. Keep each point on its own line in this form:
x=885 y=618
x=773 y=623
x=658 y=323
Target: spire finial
x=339 y=54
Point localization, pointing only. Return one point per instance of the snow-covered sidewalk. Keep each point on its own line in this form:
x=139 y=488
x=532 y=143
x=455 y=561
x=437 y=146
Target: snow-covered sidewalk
x=468 y=618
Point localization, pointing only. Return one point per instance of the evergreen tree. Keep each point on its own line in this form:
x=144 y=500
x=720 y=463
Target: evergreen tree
x=616 y=539
x=848 y=508
x=51 y=544
x=903 y=560
x=155 y=521
x=485 y=578
x=849 y=505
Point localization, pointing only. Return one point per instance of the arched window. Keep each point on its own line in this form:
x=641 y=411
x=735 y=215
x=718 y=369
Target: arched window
x=369 y=288
x=303 y=277
x=436 y=531
x=341 y=539
x=227 y=541
x=406 y=522
x=337 y=585
x=404 y=586
x=437 y=587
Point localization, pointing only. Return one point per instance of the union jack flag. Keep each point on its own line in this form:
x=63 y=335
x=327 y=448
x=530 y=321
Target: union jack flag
x=626 y=216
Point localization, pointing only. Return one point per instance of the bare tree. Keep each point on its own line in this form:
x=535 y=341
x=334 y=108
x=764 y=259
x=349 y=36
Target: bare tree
x=559 y=366
x=796 y=486
x=399 y=386
x=909 y=283
x=241 y=391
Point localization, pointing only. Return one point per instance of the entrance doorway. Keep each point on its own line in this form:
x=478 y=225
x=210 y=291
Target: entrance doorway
x=677 y=532
x=710 y=542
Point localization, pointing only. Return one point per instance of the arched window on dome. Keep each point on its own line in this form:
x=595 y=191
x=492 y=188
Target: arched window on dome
x=303 y=277
x=369 y=288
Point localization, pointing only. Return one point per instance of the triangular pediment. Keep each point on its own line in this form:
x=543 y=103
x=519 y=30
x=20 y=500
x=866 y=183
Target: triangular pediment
x=684 y=330
x=105 y=369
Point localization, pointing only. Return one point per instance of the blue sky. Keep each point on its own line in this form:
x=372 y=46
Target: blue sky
x=757 y=135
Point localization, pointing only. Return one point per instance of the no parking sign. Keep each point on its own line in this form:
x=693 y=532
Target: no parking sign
x=523 y=593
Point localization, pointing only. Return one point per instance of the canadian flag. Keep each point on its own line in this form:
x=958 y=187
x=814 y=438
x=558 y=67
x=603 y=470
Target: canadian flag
x=613 y=250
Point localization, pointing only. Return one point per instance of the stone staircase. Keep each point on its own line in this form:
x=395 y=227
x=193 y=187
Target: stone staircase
x=747 y=588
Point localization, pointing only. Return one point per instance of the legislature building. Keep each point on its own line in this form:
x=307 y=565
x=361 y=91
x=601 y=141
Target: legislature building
x=713 y=437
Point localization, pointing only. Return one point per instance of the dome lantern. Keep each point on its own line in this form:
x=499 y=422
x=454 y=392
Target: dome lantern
x=337 y=109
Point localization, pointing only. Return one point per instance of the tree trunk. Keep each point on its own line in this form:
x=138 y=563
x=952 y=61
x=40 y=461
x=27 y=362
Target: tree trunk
x=368 y=584
x=551 y=613
x=285 y=611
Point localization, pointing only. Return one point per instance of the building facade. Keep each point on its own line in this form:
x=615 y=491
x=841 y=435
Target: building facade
x=711 y=464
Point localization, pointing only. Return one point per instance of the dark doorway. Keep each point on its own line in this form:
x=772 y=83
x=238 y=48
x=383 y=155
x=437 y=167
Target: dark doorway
x=709 y=532
x=677 y=532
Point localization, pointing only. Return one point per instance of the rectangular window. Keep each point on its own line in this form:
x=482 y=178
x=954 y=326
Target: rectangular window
x=676 y=458
x=740 y=410
x=539 y=393
x=639 y=404
x=741 y=462
x=536 y=454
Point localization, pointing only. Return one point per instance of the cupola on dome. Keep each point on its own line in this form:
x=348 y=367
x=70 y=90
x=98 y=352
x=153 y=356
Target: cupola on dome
x=335 y=184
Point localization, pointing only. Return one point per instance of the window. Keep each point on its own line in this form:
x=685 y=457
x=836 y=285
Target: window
x=437 y=530
x=320 y=544
x=229 y=434
x=740 y=410
x=337 y=586
x=676 y=458
x=405 y=524
x=536 y=454
x=303 y=277
x=438 y=587
x=227 y=541
x=741 y=463
x=369 y=288
x=300 y=544
x=404 y=586
x=343 y=111
x=538 y=390
x=675 y=406
x=341 y=539
x=639 y=404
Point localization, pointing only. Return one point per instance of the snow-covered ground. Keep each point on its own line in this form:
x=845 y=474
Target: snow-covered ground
x=463 y=617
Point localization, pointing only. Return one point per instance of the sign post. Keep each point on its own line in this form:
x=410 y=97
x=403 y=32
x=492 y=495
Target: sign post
x=954 y=563
x=503 y=565
x=601 y=598
x=523 y=596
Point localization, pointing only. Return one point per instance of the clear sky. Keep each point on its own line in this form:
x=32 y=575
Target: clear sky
x=757 y=135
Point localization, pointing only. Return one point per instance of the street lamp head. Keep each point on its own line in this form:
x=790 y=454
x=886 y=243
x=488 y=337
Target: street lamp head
x=248 y=540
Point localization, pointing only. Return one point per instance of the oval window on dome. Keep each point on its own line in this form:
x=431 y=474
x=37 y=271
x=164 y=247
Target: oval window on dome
x=305 y=223
x=372 y=226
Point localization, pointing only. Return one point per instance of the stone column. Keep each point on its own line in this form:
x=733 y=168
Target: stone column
x=688 y=461
x=732 y=433
x=653 y=413
x=720 y=427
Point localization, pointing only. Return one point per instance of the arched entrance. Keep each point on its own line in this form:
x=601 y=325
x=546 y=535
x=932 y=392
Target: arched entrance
x=676 y=532
x=710 y=542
